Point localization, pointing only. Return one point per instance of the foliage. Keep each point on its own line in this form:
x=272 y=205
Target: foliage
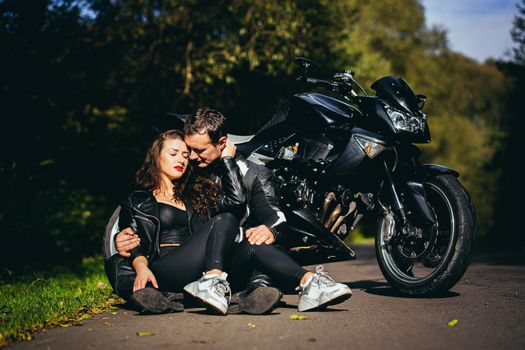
x=40 y=300
x=82 y=83
x=508 y=160
x=518 y=34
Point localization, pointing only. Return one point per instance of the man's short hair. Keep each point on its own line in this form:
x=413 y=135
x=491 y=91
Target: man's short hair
x=206 y=120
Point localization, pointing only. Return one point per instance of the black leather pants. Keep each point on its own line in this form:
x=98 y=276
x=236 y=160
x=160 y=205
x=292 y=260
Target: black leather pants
x=268 y=259
x=206 y=249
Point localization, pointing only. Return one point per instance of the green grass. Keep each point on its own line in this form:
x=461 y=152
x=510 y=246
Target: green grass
x=60 y=297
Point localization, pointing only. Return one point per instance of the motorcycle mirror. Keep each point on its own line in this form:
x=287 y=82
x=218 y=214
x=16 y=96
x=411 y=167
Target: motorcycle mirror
x=306 y=63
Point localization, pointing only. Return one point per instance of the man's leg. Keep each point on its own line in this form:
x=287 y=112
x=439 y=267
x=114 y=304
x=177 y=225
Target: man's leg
x=256 y=293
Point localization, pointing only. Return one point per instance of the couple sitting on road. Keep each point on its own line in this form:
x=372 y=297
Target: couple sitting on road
x=180 y=230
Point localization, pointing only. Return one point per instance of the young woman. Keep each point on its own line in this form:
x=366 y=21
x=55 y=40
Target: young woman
x=180 y=240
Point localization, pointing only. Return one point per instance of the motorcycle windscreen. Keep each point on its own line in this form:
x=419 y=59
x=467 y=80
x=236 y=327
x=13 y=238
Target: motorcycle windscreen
x=397 y=92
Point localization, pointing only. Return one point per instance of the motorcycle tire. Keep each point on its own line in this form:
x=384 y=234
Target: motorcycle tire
x=454 y=211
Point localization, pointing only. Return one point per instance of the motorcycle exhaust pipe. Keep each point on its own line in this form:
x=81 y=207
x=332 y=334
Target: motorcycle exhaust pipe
x=341 y=218
x=326 y=203
x=333 y=217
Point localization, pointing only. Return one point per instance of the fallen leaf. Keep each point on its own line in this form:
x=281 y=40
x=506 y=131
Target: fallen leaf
x=101 y=285
x=312 y=340
x=114 y=313
x=64 y=325
x=452 y=323
x=298 y=317
x=145 y=334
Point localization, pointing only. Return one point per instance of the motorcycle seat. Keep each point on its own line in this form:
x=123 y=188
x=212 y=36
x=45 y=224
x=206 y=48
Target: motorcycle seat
x=238 y=139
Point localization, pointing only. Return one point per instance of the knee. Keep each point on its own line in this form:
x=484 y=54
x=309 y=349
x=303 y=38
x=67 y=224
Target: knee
x=227 y=220
x=248 y=249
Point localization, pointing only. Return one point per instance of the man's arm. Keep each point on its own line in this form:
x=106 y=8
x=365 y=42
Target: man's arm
x=127 y=242
x=265 y=208
x=234 y=199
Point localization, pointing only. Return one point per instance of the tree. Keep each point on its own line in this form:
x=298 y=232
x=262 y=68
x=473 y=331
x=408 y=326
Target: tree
x=518 y=34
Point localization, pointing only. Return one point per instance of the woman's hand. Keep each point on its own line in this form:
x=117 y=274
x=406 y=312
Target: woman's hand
x=144 y=274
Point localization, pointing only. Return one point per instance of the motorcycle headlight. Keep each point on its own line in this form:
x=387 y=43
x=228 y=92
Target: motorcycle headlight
x=405 y=121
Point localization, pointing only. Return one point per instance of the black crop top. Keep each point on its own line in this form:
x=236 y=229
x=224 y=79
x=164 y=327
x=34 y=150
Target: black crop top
x=173 y=224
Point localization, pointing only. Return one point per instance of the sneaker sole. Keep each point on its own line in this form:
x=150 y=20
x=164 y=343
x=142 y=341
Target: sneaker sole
x=261 y=301
x=345 y=295
x=146 y=299
x=209 y=304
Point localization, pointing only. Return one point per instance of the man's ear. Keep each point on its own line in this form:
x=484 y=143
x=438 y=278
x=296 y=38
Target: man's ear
x=222 y=142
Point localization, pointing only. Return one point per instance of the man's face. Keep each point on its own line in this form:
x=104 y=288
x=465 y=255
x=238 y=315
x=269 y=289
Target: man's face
x=203 y=151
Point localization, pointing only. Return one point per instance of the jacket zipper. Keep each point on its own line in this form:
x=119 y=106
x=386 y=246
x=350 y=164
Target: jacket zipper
x=154 y=219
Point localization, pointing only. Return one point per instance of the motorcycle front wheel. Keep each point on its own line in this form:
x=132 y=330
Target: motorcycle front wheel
x=447 y=251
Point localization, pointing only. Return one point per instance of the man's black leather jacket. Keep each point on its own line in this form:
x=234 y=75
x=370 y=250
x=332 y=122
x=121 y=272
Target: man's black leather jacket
x=262 y=200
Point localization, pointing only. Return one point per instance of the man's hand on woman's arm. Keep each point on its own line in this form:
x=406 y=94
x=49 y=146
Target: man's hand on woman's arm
x=144 y=274
x=126 y=240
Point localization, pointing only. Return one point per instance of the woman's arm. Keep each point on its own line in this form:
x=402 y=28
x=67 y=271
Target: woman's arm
x=144 y=274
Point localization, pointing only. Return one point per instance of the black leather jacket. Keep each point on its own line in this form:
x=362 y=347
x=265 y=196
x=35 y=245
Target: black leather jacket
x=140 y=212
x=262 y=200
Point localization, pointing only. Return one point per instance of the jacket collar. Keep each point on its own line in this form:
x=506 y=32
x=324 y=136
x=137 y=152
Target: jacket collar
x=145 y=202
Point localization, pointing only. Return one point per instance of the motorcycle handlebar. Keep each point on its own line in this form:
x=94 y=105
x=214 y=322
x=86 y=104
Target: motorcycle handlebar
x=320 y=82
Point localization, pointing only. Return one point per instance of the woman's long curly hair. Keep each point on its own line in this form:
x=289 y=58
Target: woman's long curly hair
x=196 y=188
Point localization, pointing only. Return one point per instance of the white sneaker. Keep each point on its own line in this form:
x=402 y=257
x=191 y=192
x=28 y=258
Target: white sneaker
x=321 y=290
x=211 y=290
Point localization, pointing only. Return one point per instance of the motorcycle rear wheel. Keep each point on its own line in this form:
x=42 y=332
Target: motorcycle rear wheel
x=450 y=253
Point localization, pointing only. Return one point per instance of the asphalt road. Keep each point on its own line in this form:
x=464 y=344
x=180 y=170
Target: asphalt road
x=488 y=302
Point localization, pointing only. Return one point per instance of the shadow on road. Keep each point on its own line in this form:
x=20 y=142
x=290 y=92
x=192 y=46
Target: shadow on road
x=365 y=284
x=390 y=292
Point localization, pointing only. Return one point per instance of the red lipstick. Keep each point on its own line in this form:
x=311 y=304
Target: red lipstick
x=179 y=168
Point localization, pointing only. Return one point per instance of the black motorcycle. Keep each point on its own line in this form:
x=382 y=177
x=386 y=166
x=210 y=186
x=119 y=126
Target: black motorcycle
x=338 y=159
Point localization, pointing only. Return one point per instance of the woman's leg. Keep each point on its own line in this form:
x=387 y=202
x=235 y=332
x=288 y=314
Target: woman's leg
x=203 y=251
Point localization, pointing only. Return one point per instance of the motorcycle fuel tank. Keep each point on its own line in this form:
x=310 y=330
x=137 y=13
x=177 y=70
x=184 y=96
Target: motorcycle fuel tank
x=315 y=111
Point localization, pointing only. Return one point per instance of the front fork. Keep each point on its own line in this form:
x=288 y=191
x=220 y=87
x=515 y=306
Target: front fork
x=399 y=208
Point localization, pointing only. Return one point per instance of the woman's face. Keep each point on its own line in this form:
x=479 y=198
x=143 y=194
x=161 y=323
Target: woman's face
x=173 y=158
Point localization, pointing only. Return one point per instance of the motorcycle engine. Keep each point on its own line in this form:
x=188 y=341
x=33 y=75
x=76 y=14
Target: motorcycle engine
x=295 y=192
x=332 y=208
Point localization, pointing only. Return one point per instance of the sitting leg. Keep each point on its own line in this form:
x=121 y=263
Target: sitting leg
x=212 y=288
x=205 y=251
x=317 y=289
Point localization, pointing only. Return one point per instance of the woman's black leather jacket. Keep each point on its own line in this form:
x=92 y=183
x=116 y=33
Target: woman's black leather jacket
x=140 y=212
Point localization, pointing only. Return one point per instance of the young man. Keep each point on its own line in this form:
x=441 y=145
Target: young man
x=261 y=219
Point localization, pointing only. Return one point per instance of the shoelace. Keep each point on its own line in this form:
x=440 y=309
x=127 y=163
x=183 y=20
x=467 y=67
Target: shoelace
x=221 y=287
x=320 y=278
